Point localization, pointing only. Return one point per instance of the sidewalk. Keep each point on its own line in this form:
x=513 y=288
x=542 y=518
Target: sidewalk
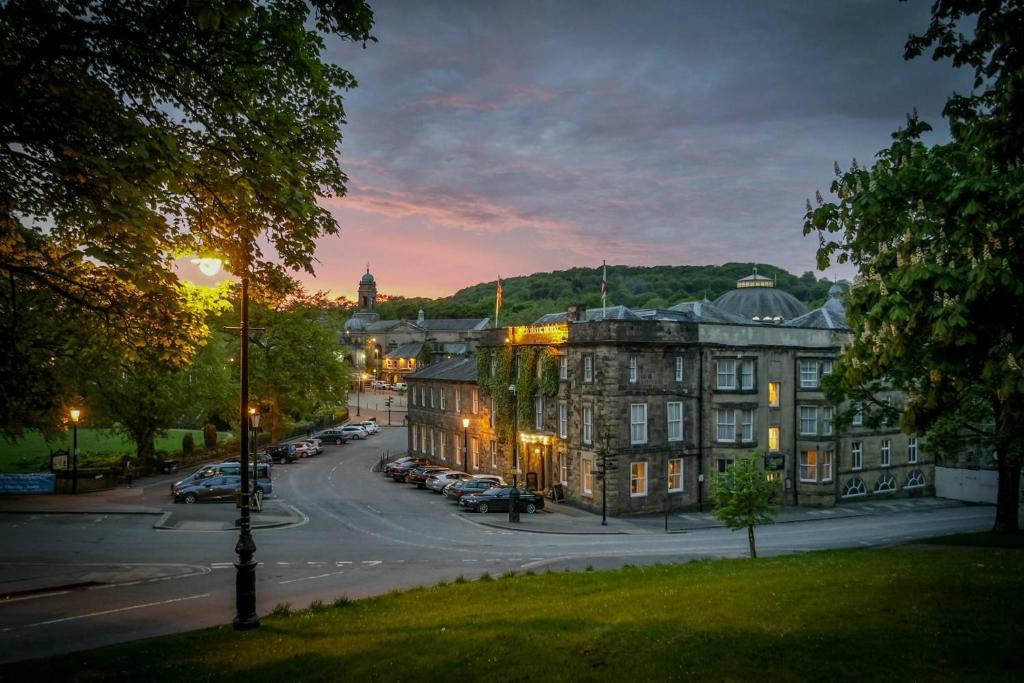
x=561 y=518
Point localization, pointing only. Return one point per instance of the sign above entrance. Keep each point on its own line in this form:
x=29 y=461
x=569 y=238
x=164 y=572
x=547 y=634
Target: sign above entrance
x=555 y=333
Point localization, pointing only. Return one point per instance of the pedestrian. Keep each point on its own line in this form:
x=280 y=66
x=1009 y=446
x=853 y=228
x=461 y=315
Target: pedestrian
x=129 y=471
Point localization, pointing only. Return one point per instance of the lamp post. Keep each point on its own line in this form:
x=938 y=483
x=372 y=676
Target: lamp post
x=465 y=442
x=75 y=415
x=513 y=496
x=359 y=391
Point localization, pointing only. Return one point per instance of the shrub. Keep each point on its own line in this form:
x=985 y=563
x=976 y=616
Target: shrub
x=209 y=435
x=188 y=445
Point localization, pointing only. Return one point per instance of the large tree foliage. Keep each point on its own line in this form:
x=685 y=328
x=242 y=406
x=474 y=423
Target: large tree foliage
x=133 y=131
x=936 y=232
x=744 y=497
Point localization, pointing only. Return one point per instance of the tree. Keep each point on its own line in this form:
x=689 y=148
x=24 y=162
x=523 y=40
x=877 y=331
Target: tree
x=135 y=131
x=426 y=354
x=936 y=233
x=744 y=497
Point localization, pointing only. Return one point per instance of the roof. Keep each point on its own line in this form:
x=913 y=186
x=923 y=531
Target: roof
x=706 y=312
x=831 y=316
x=431 y=324
x=367 y=279
x=593 y=314
x=454 y=370
x=408 y=350
x=761 y=303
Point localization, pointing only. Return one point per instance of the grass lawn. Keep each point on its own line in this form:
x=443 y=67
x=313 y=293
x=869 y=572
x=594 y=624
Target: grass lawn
x=924 y=613
x=32 y=453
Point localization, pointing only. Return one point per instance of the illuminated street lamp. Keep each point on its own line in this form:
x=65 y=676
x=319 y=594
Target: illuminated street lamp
x=75 y=415
x=359 y=390
x=465 y=442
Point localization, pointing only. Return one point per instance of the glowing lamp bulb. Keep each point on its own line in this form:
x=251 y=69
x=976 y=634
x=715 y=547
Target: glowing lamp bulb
x=208 y=266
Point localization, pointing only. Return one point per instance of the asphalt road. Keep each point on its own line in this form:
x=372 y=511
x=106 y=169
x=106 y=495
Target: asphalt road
x=360 y=535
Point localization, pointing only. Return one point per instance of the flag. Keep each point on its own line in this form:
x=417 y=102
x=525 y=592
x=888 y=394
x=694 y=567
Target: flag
x=497 y=301
x=604 y=287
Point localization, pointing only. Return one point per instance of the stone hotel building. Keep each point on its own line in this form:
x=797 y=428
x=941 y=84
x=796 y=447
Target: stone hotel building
x=657 y=400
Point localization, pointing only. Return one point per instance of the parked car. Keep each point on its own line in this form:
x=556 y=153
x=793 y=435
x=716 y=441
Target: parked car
x=438 y=480
x=303 y=449
x=215 y=489
x=335 y=436
x=477 y=484
x=400 y=386
x=261 y=457
x=496 y=499
x=370 y=426
x=354 y=431
x=401 y=471
x=378 y=384
x=418 y=476
x=229 y=469
x=315 y=444
x=282 y=453
x=394 y=463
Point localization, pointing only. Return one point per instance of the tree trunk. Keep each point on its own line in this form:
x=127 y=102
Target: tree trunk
x=145 y=448
x=1008 y=498
x=750 y=539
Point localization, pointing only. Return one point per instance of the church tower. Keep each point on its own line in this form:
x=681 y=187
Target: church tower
x=367 y=293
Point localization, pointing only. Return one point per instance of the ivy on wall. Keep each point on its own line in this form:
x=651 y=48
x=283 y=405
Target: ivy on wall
x=549 y=373
x=526 y=385
x=495 y=384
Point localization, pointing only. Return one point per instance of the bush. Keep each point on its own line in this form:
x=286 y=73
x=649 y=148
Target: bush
x=209 y=435
x=188 y=445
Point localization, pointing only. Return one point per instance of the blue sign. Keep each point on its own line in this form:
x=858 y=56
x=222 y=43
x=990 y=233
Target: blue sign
x=18 y=484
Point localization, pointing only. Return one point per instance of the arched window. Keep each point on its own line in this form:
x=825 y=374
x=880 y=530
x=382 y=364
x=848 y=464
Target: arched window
x=915 y=480
x=885 y=483
x=853 y=488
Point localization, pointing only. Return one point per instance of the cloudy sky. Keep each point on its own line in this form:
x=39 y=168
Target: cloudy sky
x=500 y=137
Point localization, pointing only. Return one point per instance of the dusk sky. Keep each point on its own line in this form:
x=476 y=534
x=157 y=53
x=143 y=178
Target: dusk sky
x=509 y=138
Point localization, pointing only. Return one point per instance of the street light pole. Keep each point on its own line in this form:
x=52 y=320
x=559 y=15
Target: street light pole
x=75 y=414
x=465 y=443
x=359 y=391
x=513 y=496
x=604 y=486
x=245 y=574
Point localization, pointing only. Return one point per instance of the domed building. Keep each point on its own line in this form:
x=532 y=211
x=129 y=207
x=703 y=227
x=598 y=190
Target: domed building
x=757 y=299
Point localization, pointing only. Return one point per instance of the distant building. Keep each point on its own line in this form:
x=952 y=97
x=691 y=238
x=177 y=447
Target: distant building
x=391 y=349
x=662 y=398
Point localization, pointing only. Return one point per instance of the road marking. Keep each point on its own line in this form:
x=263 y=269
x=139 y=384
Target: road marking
x=105 y=612
x=310 y=578
x=373 y=509
x=282 y=564
x=471 y=560
x=344 y=562
x=865 y=542
x=33 y=597
x=372 y=563
x=221 y=565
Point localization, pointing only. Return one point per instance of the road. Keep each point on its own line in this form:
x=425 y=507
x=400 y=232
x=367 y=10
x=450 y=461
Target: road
x=361 y=535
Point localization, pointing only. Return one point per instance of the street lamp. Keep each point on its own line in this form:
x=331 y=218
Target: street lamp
x=75 y=415
x=359 y=390
x=465 y=442
x=513 y=496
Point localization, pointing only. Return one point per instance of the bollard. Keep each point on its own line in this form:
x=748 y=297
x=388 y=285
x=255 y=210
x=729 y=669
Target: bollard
x=513 y=505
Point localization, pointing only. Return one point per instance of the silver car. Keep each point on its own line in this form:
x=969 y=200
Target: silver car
x=438 y=480
x=354 y=431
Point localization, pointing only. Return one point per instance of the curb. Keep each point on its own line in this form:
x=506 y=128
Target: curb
x=80 y=512
x=494 y=525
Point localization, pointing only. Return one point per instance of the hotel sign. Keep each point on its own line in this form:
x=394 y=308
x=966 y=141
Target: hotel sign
x=555 y=333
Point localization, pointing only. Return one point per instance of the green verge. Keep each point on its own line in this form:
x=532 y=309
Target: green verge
x=97 y=446
x=912 y=613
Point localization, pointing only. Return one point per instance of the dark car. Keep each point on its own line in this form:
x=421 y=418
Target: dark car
x=283 y=453
x=496 y=499
x=418 y=477
x=216 y=489
x=468 y=486
x=264 y=484
x=395 y=463
x=332 y=436
x=400 y=472
x=261 y=457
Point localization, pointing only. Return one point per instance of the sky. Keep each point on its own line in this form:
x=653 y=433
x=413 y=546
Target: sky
x=493 y=138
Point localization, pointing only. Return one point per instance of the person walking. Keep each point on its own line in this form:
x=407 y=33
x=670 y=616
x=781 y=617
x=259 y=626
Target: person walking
x=129 y=471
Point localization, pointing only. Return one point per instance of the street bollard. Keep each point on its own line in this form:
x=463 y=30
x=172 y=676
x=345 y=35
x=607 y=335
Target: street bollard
x=513 y=505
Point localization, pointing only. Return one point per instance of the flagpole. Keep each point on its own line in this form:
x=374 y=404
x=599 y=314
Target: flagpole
x=497 y=303
x=604 y=289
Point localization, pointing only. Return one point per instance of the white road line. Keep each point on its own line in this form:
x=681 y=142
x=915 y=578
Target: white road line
x=282 y=564
x=310 y=578
x=471 y=560
x=33 y=597
x=344 y=562
x=372 y=563
x=104 y=612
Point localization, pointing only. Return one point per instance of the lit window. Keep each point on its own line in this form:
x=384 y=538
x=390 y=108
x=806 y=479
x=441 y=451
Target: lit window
x=458 y=400
x=826 y=421
x=726 y=374
x=747 y=375
x=638 y=423
x=774 y=438
x=474 y=451
x=563 y=468
x=433 y=443
x=886 y=452
x=808 y=374
x=476 y=401
x=826 y=465
x=675 y=475
x=588 y=368
x=588 y=475
x=808 y=421
x=679 y=368
x=538 y=412
x=491 y=417
x=637 y=479
x=808 y=466
x=563 y=420
x=494 y=454
x=443 y=444
x=856 y=455
x=588 y=424
x=563 y=367
x=748 y=425
x=912 y=450
x=633 y=370
x=774 y=394
x=675 y=421
x=726 y=421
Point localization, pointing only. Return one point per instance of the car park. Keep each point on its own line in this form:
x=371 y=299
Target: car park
x=355 y=431
x=264 y=481
x=335 y=436
x=497 y=499
x=438 y=480
x=418 y=476
x=283 y=453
